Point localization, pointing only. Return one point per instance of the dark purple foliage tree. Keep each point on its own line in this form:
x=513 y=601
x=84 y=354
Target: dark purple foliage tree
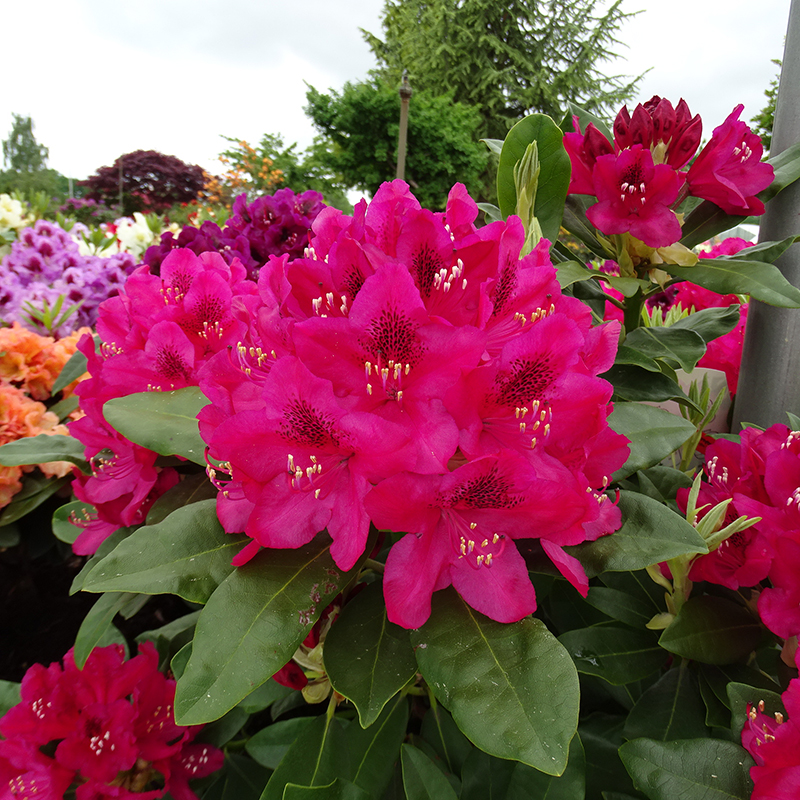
x=151 y=181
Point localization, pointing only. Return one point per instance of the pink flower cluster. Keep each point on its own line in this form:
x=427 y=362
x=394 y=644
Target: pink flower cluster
x=638 y=181
x=761 y=476
x=412 y=371
x=108 y=730
x=156 y=335
x=774 y=743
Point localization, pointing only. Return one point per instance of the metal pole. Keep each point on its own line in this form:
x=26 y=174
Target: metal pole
x=769 y=380
x=405 y=96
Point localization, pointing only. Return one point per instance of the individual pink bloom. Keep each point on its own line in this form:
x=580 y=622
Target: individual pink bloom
x=774 y=743
x=93 y=790
x=306 y=463
x=634 y=196
x=28 y=774
x=584 y=149
x=461 y=528
x=729 y=171
x=671 y=134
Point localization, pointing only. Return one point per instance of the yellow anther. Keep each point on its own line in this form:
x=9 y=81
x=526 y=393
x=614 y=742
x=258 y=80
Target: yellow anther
x=473 y=525
x=484 y=543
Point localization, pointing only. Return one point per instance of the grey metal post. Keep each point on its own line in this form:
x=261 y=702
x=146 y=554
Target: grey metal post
x=405 y=96
x=769 y=381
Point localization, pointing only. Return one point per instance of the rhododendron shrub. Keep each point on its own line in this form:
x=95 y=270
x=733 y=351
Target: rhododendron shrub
x=106 y=729
x=404 y=350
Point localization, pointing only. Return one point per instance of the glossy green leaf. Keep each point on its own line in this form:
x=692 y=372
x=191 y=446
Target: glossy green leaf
x=374 y=751
x=188 y=554
x=269 y=745
x=650 y=533
x=65 y=407
x=42 y=448
x=264 y=696
x=740 y=695
x=74 y=368
x=9 y=695
x=106 y=546
x=99 y=619
x=574 y=220
x=682 y=348
x=617 y=655
x=191 y=489
x=634 y=384
x=530 y=784
x=717 y=714
x=726 y=275
x=628 y=355
x=713 y=630
x=671 y=708
x=653 y=433
x=317 y=757
x=164 y=422
x=63 y=529
x=36 y=489
x=338 y=790
x=694 y=768
x=525 y=705
x=553 y=177
x=368 y=659
x=719 y=677
x=495 y=145
x=252 y=625
x=620 y=606
x=442 y=733
x=244 y=779
x=768 y=252
x=626 y=286
x=570 y=272
x=222 y=730
x=422 y=779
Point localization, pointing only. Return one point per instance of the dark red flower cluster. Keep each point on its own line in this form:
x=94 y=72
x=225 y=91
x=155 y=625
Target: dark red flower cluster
x=761 y=476
x=638 y=181
x=412 y=371
x=107 y=729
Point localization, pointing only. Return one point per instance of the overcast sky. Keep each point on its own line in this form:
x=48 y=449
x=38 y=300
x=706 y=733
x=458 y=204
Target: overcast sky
x=104 y=77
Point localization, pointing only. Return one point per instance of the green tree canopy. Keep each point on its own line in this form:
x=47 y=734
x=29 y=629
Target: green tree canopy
x=359 y=131
x=507 y=59
x=26 y=164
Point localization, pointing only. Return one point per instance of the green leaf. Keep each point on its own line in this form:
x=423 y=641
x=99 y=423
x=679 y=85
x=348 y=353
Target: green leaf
x=164 y=422
x=740 y=694
x=650 y=533
x=191 y=489
x=188 y=554
x=495 y=145
x=706 y=221
x=65 y=407
x=627 y=355
x=719 y=677
x=653 y=433
x=99 y=619
x=634 y=384
x=41 y=449
x=368 y=659
x=671 y=708
x=491 y=211
x=485 y=777
x=601 y=736
x=680 y=348
x=530 y=784
x=570 y=272
x=553 y=178
x=525 y=706
x=794 y=421
x=243 y=778
x=693 y=768
x=106 y=546
x=787 y=170
x=442 y=733
x=618 y=655
x=35 y=490
x=375 y=750
x=768 y=252
x=713 y=630
x=9 y=696
x=726 y=275
x=269 y=745
x=252 y=625
x=317 y=757
x=620 y=606
x=264 y=696
x=584 y=118
x=338 y=790
x=422 y=779
x=63 y=529
x=74 y=368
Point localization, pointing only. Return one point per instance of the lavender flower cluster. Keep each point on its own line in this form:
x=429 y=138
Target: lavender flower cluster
x=270 y=225
x=44 y=264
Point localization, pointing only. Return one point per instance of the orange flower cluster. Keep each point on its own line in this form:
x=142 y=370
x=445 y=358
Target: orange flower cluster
x=29 y=366
x=33 y=362
x=248 y=171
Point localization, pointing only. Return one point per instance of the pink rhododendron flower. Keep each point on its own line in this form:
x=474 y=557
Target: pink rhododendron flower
x=634 y=195
x=729 y=170
x=110 y=728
